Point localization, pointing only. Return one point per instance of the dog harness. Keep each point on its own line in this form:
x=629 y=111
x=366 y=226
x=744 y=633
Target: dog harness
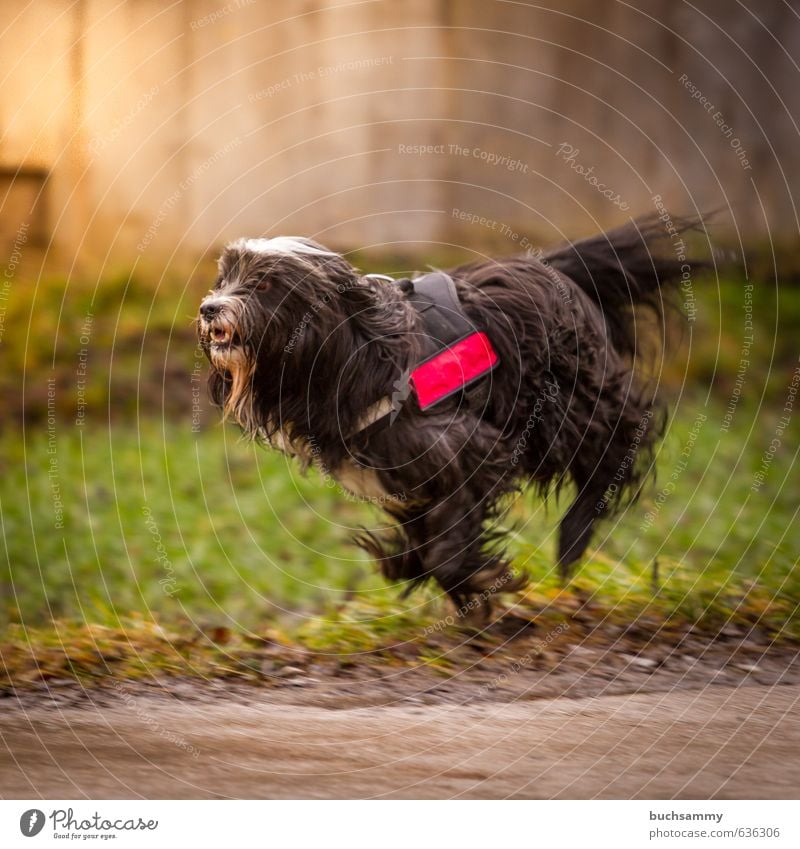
x=456 y=353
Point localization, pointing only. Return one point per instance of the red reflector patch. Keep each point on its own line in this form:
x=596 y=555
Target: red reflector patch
x=453 y=369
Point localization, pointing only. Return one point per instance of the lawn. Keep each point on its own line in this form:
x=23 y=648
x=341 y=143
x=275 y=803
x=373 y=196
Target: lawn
x=147 y=531
x=177 y=526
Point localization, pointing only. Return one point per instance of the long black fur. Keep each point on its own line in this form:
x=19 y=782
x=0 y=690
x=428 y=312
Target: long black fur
x=322 y=344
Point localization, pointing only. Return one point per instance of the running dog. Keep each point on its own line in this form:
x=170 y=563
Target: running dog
x=437 y=396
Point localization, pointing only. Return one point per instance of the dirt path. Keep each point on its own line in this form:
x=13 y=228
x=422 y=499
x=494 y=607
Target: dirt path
x=716 y=742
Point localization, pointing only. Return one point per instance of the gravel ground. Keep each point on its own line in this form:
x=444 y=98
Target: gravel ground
x=715 y=719
x=719 y=742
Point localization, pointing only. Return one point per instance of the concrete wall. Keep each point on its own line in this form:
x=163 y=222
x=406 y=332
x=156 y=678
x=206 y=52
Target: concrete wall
x=172 y=127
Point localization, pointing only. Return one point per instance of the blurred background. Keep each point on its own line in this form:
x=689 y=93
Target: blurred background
x=146 y=129
x=137 y=137
x=142 y=130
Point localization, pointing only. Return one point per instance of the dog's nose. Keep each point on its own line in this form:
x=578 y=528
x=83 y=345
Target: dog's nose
x=209 y=310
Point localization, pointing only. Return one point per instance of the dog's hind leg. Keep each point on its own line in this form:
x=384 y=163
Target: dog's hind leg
x=607 y=480
x=577 y=526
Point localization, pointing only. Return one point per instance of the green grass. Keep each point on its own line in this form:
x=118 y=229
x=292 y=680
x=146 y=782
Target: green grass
x=141 y=346
x=176 y=543
x=173 y=524
x=179 y=527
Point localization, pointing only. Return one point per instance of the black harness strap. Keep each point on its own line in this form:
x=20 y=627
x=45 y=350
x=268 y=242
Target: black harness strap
x=435 y=298
x=445 y=324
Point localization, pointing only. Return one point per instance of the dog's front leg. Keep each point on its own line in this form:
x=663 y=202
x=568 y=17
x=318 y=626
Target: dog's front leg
x=454 y=551
x=399 y=555
x=445 y=540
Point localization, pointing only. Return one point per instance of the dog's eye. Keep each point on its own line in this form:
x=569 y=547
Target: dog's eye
x=262 y=285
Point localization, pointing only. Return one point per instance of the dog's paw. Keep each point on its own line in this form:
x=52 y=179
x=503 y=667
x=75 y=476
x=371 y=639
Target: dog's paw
x=499 y=576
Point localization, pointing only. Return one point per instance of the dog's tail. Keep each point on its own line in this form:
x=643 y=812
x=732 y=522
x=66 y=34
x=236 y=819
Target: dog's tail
x=630 y=267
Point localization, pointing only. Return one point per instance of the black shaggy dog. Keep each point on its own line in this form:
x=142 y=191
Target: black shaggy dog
x=313 y=358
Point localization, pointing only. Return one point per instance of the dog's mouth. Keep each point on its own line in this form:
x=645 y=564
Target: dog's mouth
x=221 y=341
x=218 y=334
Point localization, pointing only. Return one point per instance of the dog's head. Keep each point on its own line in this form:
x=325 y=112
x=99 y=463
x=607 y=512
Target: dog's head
x=269 y=297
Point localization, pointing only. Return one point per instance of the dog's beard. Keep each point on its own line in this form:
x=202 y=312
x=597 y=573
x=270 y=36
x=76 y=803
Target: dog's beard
x=238 y=401
x=221 y=340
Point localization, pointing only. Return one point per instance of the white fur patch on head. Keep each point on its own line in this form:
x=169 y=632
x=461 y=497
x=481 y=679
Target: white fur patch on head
x=281 y=245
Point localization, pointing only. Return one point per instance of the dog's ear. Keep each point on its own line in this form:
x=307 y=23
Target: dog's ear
x=373 y=316
x=228 y=263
